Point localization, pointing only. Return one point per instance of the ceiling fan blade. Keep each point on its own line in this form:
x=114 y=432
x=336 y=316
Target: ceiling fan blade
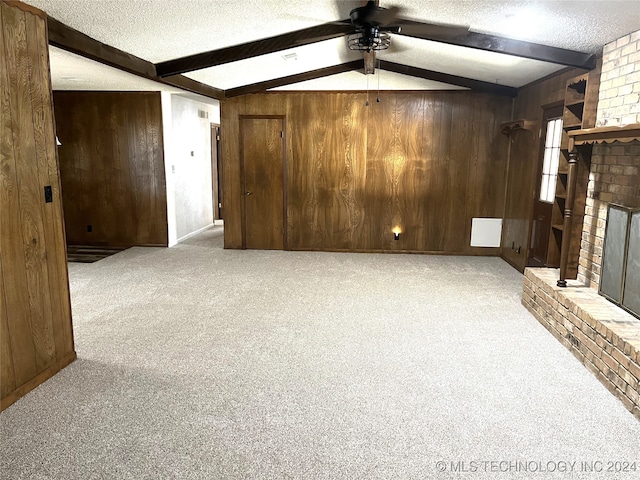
x=428 y=31
x=383 y=16
x=391 y=29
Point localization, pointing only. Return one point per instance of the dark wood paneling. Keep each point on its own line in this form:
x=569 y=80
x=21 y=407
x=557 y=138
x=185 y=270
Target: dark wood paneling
x=112 y=167
x=523 y=164
x=35 y=314
x=425 y=162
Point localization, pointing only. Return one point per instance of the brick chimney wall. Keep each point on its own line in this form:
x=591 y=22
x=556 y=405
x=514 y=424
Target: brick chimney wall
x=615 y=167
x=619 y=99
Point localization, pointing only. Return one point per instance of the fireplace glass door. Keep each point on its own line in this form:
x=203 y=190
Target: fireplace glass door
x=631 y=296
x=620 y=277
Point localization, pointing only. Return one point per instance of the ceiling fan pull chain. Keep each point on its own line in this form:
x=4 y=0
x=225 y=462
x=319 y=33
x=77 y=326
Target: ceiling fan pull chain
x=367 y=102
x=378 y=74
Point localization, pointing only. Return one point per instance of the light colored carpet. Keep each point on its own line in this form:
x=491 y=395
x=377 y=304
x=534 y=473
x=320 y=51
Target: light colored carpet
x=196 y=362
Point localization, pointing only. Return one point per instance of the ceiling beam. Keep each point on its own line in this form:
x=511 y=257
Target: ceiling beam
x=71 y=40
x=300 y=77
x=492 y=43
x=213 y=58
x=477 y=85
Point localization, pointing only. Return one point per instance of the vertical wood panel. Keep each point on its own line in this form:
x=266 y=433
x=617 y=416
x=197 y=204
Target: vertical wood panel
x=40 y=93
x=14 y=272
x=35 y=315
x=30 y=193
x=231 y=179
x=418 y=161
x=379 y=187
x=112 y=167
x=8 y=382
x=410 y=171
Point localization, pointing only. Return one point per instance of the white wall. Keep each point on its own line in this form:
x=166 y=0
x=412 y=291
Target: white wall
x=187 y=144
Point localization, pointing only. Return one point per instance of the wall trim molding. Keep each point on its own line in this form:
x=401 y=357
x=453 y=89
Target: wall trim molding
x=192 y=234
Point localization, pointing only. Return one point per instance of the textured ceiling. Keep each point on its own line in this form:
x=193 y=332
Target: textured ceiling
x=158 y=30
x=73 y=72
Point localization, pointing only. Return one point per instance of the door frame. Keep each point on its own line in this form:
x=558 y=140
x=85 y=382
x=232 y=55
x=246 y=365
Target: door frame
x=215 y=170
x=285 y=189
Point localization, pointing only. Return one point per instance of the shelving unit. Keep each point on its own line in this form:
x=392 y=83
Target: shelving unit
x=579 y=112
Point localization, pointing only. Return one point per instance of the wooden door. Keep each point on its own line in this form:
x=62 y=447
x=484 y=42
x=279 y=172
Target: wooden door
x=263 y=165
x=216 y=181
x=545 y=191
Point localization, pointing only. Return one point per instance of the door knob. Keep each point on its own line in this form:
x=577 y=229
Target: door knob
x=248 y=193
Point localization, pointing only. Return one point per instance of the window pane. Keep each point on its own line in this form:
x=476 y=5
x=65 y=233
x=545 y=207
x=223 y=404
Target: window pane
x=551 y=126
x=551 y=160
x=558 y=133
x=552 y=187
x=544 y=188
x=555 y=158
x=546 y=166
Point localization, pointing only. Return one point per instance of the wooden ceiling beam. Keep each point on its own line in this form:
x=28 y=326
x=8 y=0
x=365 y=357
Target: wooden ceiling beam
x=300 y=77
x=492 y=43
x=477 y=85
x=71 y=40
x=213 y=58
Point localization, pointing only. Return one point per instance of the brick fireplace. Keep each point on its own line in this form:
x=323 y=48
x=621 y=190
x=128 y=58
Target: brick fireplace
x=604 y=337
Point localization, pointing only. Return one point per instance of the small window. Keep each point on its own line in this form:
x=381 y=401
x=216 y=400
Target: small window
x=551 y=159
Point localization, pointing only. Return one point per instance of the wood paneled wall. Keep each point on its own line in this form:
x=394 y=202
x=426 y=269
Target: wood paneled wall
x=36 y=338
x=425 y=162
x=112 y=167
x=523 y=164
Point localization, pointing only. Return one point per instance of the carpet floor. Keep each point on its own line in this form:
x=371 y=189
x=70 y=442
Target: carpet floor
x=202 y=363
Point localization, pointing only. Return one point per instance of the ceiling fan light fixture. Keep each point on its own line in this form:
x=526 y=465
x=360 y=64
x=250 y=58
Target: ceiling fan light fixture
x=369 y=41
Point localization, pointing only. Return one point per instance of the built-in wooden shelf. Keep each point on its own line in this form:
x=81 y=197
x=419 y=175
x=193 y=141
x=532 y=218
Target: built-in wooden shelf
x=508 y=127
x=589 y=136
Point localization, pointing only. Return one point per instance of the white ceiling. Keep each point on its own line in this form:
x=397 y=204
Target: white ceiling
x=73 y=72
x=159 y=30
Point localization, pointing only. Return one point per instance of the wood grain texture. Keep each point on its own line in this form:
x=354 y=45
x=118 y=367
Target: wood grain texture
x=7 y=374
x=35 y=314
x=523 y=164
x=14 y=271
x=30 y=194
x=262 y=165
x=416 y=161
x=112 y=167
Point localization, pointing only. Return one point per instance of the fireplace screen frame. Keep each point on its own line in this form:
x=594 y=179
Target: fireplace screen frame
x=608 y=249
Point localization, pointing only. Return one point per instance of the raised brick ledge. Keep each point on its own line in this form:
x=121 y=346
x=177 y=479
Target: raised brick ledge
x=605 y=338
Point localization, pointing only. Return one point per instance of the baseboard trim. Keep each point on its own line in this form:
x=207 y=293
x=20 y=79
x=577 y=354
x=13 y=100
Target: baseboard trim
x=182 y=239
x=39 y=379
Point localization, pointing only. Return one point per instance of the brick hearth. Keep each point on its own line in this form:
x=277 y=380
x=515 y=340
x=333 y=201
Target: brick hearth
x=605 y=338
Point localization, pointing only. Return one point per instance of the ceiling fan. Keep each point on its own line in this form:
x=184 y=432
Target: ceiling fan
x=373 y=24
